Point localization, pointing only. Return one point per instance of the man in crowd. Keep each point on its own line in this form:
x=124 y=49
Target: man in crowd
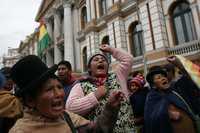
x=66 y=77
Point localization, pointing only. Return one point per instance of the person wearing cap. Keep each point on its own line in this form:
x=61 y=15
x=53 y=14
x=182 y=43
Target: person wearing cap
x=165 y=110
x=88 y=97
x=42 y=96
x=137 y=100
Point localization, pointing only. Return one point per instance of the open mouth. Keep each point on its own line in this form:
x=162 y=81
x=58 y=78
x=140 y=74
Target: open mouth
x=58 y=105
x=165 y=83
x=101 y=67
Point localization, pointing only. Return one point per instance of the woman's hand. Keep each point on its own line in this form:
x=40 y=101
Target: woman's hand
x=174 y=60
x=105 y=48
x=115 y=98
x=173 y=113
x=100 y=92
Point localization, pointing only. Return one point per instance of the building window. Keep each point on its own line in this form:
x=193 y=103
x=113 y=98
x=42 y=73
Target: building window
x=61 y=48
x=84 y=59
x=135 y=39
x=183 y=24
x=62 y=21
x=83 y=17
x=105 y=40
x=102 y=7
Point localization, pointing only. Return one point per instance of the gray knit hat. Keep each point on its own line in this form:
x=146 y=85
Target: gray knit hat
x=90 y=59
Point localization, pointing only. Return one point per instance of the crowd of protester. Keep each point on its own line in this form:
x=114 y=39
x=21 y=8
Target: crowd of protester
x=35 y=98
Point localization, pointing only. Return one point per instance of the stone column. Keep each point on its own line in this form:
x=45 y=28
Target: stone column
x=148 y=42
x=158 y=24
x=77 y=46
x=57 y=25
x=195 y=14
x=49 y=59
x=199 y=5
x=88 y=10
x=57 y=31
x=116 y=1
x=49 y=28
x=97 y=9
x=94 y=41
x=120 y=34
x=109 y=3
x=93 y=16
x=169 y=31
x=68 y=35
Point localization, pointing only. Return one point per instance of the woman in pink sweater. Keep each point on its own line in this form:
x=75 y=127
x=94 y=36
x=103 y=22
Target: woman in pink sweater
x=88 y=97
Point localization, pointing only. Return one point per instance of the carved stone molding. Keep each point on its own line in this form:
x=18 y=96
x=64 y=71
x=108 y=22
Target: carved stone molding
x=67 y=3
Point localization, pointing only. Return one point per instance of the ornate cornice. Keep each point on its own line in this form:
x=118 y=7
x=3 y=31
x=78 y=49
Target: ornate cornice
x=68 y=3
x=44 y=7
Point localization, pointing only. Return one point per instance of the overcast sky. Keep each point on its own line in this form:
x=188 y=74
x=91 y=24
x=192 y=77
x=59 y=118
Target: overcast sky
x=17 y=20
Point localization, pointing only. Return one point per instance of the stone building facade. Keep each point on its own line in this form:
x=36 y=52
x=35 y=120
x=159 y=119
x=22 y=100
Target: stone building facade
x=150 y=30
x=29 y=45
x=11 y=57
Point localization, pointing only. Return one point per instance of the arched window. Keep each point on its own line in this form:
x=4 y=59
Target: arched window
x=183 y=24
x=83 y=17
x=102 y=7
x=135 y=39
x=105 y=40
x=84 y=58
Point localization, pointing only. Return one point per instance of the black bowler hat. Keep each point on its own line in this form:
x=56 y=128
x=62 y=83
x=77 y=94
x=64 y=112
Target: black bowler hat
x=153 y=71
x=29 y=72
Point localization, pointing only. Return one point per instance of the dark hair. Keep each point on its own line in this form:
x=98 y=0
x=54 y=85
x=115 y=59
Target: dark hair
x=66 y=63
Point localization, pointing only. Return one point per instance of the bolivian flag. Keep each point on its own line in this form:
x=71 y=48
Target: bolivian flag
x=192 y=69
x=44 y=39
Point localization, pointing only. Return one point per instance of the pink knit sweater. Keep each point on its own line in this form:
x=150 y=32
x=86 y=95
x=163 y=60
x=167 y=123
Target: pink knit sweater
x=82 y=104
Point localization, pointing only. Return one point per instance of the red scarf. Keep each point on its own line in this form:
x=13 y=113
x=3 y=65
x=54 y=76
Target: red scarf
x=99 y=81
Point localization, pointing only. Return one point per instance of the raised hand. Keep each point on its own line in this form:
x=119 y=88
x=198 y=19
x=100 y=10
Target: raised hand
x=173 y=114
x=100 y=92
x=115 y=98
x=174 y=60
x=171 y=59
x=105 y=48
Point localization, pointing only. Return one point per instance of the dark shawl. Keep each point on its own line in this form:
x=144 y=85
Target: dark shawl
x=189 y=91
x=156 y=111
x=137 y=101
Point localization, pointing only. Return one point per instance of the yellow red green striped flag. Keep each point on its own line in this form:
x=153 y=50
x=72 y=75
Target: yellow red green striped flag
x=44 y=39
x=192 y=69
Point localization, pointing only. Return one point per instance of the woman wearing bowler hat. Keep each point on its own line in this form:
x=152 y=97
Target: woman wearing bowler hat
x=166 y=111
x=42 y=96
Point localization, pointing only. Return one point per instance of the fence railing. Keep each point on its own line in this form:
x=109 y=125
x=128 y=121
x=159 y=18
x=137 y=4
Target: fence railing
x=184 y=49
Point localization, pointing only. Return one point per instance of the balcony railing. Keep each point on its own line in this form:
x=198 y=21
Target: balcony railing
x=138 y=60
x=185 y=49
